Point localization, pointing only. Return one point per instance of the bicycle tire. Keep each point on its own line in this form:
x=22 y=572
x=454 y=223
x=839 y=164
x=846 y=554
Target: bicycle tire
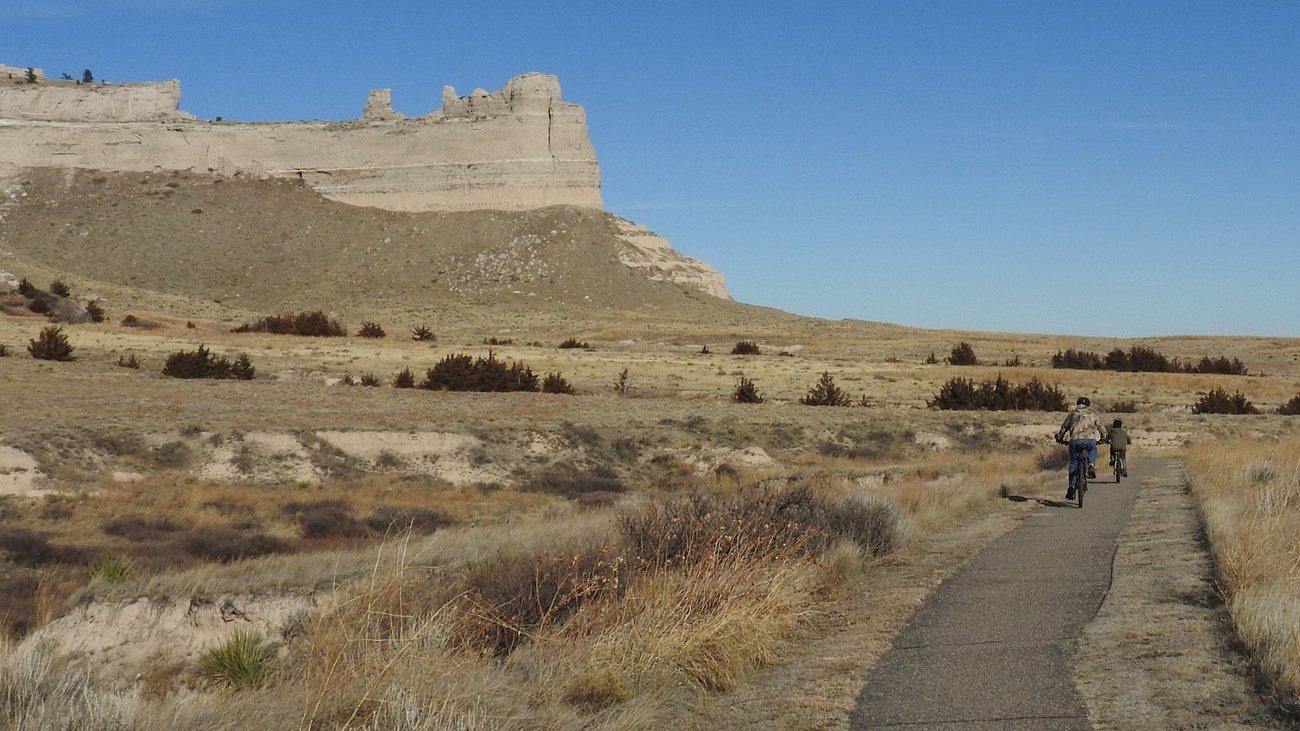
x=1119 y=471
x=1083 y=485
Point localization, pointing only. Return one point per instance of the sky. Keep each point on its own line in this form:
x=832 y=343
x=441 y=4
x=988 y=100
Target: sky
x=1106 y=168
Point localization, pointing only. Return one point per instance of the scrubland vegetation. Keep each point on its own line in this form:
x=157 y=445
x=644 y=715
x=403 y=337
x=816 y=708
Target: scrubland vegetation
x=1248 y=494
x=604 y=618
x=606 y=576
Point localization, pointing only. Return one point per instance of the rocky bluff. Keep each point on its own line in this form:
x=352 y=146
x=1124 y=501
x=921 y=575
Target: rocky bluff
x=518 y=148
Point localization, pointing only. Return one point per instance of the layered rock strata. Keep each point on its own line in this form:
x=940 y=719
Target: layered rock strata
x=518 y=148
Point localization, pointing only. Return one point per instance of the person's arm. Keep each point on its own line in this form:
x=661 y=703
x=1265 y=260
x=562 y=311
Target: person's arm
x=1065 y=427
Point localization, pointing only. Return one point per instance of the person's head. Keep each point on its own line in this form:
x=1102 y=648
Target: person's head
x=1119 y=424
x=1083 y=402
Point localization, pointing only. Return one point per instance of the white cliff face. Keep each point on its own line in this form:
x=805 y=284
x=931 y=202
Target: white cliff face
x=652 y=254
x=519 y=148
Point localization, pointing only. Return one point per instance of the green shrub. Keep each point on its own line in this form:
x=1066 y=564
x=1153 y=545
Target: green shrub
x=460 y=372
x=404 y=379
x=95 y=312
x=826 y=393
x=1221 y=366
x=368 y=379
x=705 y=350
x=575 y=343
x=1219 y=401
x=371 y=330
x=746 y=392
x=307 y=324
x=201 y=363
x=962 y=394
x=51 y=344
x=963 y=355
x=60 y=289
x=745 y=347
x=27 y=289
x=555 y=383
x=1290 y=408
x=133 y=321
x=931 y=359
x=498 y=341
x=4 y=351
x=421 y=333
x=1081 y=360
x=241 y=662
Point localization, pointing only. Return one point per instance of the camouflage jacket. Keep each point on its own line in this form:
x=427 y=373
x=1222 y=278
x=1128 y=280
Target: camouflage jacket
x=1082 y=424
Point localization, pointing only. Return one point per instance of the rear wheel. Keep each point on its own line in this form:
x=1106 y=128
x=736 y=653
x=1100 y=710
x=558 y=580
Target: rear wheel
x=1081 y=489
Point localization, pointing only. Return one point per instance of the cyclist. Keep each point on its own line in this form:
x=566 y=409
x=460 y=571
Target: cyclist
x=1119 y=441
x=1081 y=428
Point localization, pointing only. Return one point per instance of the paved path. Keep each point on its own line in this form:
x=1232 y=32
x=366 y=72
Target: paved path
x=993 y=647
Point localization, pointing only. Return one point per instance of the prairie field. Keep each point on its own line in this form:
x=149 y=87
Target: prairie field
x=313 y=547
x=294 y=551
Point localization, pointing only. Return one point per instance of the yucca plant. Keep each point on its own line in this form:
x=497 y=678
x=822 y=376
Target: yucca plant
x=113 y=569
x=242 y=661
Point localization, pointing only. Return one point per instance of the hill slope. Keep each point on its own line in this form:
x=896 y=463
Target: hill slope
x=275 y=245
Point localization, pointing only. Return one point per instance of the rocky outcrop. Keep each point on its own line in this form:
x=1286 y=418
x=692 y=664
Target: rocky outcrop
x=518 y=148
x=651 y=254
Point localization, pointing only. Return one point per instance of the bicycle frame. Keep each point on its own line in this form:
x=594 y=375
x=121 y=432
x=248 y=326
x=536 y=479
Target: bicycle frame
x=1080 y=458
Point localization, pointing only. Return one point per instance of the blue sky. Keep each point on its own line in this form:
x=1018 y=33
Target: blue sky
x=1119 y=169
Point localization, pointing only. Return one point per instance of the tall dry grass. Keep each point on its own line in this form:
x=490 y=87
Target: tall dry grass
x=1248 y=494
x=605 y=619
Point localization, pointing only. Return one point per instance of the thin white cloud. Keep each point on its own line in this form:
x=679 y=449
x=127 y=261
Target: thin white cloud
x=1181 y=126
x=59 y=9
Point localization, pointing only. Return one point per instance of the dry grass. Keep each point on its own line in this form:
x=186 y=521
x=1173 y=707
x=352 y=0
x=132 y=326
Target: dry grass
x=1248 y=493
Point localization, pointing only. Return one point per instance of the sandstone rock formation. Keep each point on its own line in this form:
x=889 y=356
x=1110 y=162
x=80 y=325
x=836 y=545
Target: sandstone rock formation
x=518 y=148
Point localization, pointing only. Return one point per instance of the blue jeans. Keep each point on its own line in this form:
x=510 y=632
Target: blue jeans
x=1091 y=444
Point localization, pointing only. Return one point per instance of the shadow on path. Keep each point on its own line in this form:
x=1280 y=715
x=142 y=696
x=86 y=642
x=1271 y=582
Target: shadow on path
x=993 y=647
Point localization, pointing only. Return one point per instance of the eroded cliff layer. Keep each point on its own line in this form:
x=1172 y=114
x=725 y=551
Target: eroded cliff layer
x=518 y=148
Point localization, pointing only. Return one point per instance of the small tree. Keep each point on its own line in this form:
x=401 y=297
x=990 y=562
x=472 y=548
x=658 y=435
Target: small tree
x=31 y=75
x=825 y=393
x=575 y=343
x=404 y=379
x=94 y=311
x=59 y=288
x=1290 y=408
x=51 y=344
x=963 y=355
x=1219 y=401
x=623 y=386
x=745 y=347
x=371 y=330
x=87 y=77
x=555 y=383
x=422 y=334
x=746 y=392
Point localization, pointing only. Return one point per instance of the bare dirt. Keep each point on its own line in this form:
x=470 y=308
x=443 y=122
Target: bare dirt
x=1160 y=652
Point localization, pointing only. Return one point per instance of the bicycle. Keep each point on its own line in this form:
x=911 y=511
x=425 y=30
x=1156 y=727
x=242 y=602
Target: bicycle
x=1080 y=481
x=1120 y=464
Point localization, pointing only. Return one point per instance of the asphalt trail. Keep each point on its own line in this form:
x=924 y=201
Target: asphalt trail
x=993 y=647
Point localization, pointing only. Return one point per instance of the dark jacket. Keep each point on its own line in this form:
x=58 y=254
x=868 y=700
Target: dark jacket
x=1118 y=439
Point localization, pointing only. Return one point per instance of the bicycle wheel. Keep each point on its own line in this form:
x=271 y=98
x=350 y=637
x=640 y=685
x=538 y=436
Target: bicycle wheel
x=1083 y=485
x=1119 y=469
